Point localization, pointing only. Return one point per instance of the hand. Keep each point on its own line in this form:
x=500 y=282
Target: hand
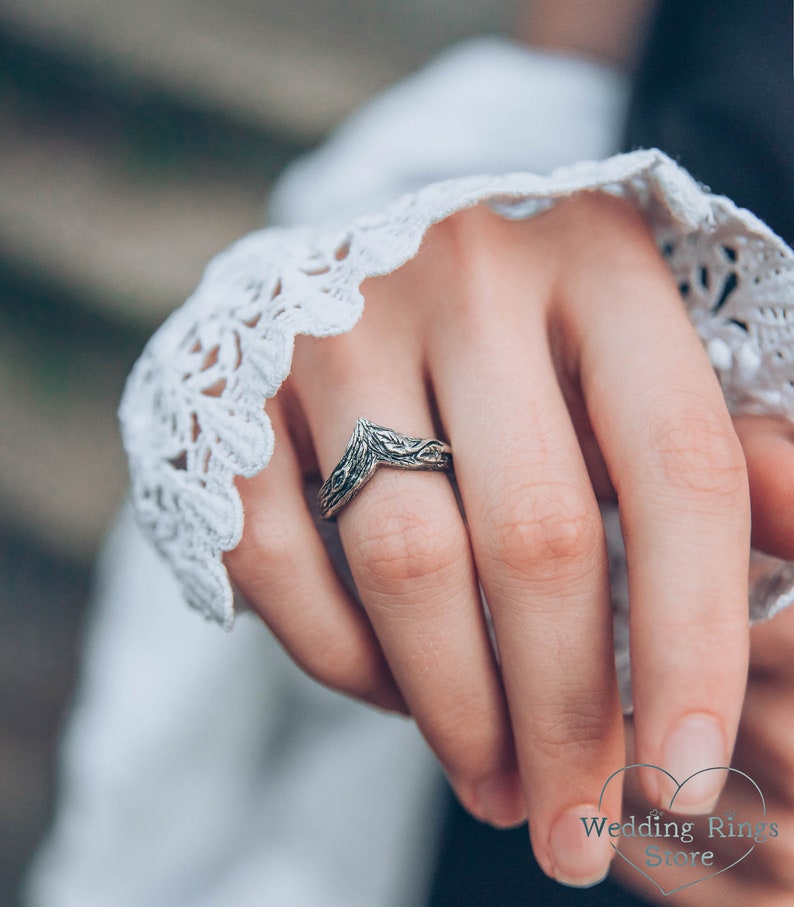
x=555 y=356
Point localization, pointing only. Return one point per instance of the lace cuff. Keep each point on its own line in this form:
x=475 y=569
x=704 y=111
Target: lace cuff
x=193 y=412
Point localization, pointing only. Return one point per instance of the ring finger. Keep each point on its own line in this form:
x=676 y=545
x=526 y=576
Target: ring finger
x=410 y=557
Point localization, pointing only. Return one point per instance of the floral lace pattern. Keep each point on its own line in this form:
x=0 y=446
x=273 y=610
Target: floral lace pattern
x=193 y=414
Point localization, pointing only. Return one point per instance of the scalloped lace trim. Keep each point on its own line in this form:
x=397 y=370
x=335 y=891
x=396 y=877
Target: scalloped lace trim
x=193 y=414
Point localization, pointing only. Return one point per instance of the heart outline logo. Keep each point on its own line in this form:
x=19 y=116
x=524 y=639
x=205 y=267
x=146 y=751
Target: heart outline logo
x=679 y=785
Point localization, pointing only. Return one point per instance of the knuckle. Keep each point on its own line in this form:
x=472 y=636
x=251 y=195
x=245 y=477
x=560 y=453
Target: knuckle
x=473 y=241
x=458 y=238
x=623 y=238
x=556 y=526
x=405 y=543
x=467 y=733
x=334 y=665
x=699 y=452
x=616 y=215
x=267 y=544
x=344 y=665
x=577 y=729
x=465 y=229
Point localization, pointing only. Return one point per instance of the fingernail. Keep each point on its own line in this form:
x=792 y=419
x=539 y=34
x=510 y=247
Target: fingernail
x=580 y=859
x=695 y=743
x=499 y=800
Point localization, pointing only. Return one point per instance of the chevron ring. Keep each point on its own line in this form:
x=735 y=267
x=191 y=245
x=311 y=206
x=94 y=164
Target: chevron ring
x=369 y=447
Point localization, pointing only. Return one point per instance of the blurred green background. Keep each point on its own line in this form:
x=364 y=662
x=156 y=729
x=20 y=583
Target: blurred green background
x=136 y=140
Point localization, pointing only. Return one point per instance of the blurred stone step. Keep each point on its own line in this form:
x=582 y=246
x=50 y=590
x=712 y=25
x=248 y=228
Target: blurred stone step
x=121 y=168
x=62 y=470
x=115 y=233
x=295 y=67
x=233 y=57
x=101 y=236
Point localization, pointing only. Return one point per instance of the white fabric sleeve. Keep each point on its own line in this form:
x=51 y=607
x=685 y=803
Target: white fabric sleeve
x=203 y=769
x=486 y=106
x=192 y=414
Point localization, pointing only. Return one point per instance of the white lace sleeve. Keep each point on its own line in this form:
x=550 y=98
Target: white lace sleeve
x=193 y=414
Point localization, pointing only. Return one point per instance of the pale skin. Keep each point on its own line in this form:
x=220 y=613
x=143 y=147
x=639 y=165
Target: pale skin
x=559 y=363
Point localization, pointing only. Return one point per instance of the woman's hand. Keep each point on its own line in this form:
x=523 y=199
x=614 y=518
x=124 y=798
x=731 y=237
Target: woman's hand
x=556 y=358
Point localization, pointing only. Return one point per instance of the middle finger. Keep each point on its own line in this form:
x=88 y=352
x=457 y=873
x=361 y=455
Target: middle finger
x=541 y=556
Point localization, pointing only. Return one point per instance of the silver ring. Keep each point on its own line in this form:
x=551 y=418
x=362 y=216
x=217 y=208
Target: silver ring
x=369 y=447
